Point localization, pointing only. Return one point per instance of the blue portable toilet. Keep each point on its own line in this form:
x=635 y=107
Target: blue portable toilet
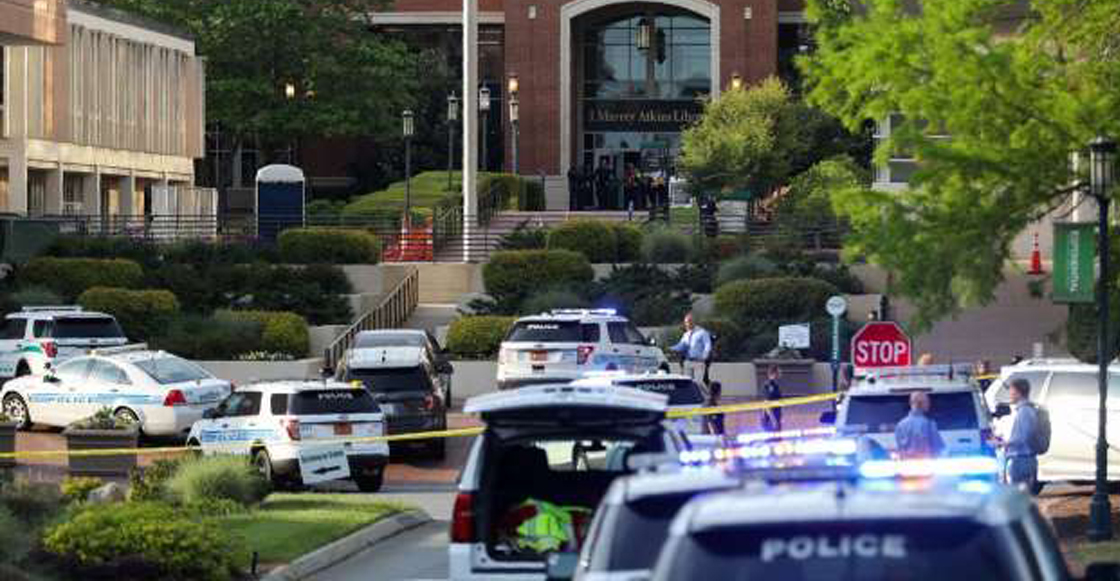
x=281 y=200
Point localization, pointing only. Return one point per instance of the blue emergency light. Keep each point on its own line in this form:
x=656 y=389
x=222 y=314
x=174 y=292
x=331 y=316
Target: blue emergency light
x=926 y=468
x=785 y=435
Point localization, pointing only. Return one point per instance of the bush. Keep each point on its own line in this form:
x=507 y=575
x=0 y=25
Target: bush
x=156 y=537
x=628 y=242
x=31 y=502
x=547 y=300
x=778 y=300
x=745 y=268
x=531 y=198
x=15 y=540
x=840 y=277
x=512 y=275
x=305 y=291
x=648 y=294
x=149 y=483
x=207 y=478
x=524 y=237
x=141 y=313
x=477 y=337
x=328 y=245
x=281 y=332
x=209 y=338
x=143 y=253
x=592 y=238
x=102 y=419
x=35 y=296
x=70 y=276
x=77 y=488
x=667 y=246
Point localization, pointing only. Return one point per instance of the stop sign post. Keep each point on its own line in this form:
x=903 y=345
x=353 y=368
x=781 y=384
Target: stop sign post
x=881 y=344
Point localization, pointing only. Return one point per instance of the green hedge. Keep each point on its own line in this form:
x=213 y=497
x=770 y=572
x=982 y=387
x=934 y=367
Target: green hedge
x=70 y=276
x=208 y=338
x=477 y=337
x=667 y=246
x=328 y=245
x=601 y=242
x=142 y=313
x=512 y=275
x=281 y=331
x=773 y=299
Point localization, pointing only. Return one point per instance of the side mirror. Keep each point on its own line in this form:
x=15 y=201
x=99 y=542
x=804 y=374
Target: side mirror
x=1102 y=572
x=445 y=367
x=326 y=372
x=828 y=418
x=211 y=414
x=653 y=341
x=1002 y=409
x=562 y=566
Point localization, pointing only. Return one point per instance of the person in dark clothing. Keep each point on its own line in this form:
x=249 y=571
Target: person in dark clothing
x=587 y=188
x=574 y=180
x=713 y=423
x=603 y=175
x=772 y=417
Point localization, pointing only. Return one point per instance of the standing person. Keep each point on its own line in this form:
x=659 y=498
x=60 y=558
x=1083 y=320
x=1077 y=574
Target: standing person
x=695 y=348
x=926 y=359
x=602 y=183
x=574 y=181
x=713 y=423
x=916 y=436
x=772 y=391
x=1019 y=451
x=984 y=375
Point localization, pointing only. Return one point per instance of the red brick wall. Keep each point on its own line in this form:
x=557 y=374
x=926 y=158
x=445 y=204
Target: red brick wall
x=441 y=6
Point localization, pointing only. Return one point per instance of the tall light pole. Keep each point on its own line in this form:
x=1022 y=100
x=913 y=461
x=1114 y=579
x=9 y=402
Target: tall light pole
x=513 y=115
x=408 y=129
x=1102 y=157
x=452 y=117
x=484 y=108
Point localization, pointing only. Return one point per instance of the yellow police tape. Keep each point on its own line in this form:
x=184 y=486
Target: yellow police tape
x=454 y=433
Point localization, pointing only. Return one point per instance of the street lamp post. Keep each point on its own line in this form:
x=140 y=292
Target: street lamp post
x=484 y=108
x=408 y=129
x=452 y=117
x=1102 y=156
x=513 y=115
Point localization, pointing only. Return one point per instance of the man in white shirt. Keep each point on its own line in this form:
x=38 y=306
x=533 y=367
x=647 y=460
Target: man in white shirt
x=695 y=348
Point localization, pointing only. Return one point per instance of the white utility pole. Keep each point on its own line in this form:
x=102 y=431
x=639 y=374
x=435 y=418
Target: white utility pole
x=470 y=126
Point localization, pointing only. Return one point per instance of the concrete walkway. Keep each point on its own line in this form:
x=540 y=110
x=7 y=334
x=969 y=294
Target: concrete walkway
x=431 y=317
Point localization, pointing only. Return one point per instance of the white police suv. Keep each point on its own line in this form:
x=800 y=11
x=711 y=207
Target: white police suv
x=282 y=425
x=35 y=337
x=161 y=392
x=566 y=343
x=685 y=394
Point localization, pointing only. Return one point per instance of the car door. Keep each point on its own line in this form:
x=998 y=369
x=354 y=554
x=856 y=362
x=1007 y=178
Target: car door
x=11 y=334
x=107 y=385
x=1071 y=398
x=624 y=347
x=57 y=399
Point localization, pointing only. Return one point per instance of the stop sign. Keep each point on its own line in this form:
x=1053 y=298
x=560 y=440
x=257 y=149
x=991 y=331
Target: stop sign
x=881 y=344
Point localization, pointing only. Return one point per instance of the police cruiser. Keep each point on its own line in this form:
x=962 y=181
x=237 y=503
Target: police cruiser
x=272 y=422
x=685 y=395
x=162 y=393
x=36 y=337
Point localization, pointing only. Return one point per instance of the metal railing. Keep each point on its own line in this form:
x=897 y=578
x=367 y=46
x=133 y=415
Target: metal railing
x=390 y=313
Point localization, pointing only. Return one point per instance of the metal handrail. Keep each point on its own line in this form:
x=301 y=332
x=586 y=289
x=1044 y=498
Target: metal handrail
x=390 y=313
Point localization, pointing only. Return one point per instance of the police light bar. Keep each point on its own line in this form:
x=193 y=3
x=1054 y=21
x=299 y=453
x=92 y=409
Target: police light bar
x=963 y=370
x=120 y=349
x=786 y=434
x=963 y=466
x=602 y=312
x=783 y=449
x=47 y=308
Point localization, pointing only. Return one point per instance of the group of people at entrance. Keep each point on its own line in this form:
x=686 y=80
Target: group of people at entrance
x=600 y=188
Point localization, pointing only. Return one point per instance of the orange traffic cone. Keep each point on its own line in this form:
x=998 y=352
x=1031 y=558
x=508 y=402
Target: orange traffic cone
x=1036 y=258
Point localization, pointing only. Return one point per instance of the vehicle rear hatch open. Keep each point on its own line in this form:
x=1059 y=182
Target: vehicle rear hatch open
x=564 y=409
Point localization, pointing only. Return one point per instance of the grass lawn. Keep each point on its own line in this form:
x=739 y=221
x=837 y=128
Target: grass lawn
x=689 y=216
x=287 y=526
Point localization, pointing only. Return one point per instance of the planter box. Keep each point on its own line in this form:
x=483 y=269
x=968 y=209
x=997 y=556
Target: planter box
x=116 y=466
x=796 y=378
x=7 y=443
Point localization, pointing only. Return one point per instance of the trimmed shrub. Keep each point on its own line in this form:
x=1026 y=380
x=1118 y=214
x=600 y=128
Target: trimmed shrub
x=224 y=476
x=840 y=277
x=667 y=246
x=524 y=237
x=628 y=242
x=328 y=245
x=150 y=482
x=209 y=338
x=70 y=276
x=154 y=538
x=773 y=299
x=477 y=337
x=15 y=541
x=143 y=314
x=35 y=296
x=531 y=197
x=77 y=488
x=281 y=332
x=745 y=267
x=144 y=253
x=512 y=275
x=31 y=502
x=547 y=300
x=594 y=239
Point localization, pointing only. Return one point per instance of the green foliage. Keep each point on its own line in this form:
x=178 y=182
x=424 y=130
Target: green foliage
x=221 y=477
x=594 y=239
x=281 y=332
x=77 y=488
x=547 y=300
x=324 y=208
x=647 y=294
x=807 y=206
x=15 y=539
x=328 y=245
x=106 y=247
x=628 y=240
x=32 y=503
x=840 y=277
x=167 y=542
x=477 y=337
x=35 y=296
x=1015 y=107
x=773 y=299
x=70 y=276
x=209 y=338
x=142 y=314
x=103 y=419
x=524 y=237
x=745 y=267
x=149 y=483
x=512 y=275
x=667 y=246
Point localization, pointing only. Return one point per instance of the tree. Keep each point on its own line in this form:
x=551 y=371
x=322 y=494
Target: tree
x=755 y=139
x=1017 y=93
x=807 y=205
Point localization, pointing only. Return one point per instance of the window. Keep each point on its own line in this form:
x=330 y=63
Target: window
x=625 y=334
x=87 y=328
x=242 y=403
x=371 y=340
x=881 y=413
x=383 y=380
x=41 y=329
x=1071 y=385
x=333 y=401
x=1036 y=378
x=106 y=372
x=639 y=533
x=172 y=370
x=554 y=332
x=73 y=370
x=14 y=329
x=278 y=403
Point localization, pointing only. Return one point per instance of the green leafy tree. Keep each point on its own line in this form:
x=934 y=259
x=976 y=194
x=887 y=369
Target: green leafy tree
x=807 y=205
x=1017 y=93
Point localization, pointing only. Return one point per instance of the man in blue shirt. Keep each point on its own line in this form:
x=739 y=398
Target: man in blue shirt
x=695 y=347
x=1021 y=467
x=916 y=435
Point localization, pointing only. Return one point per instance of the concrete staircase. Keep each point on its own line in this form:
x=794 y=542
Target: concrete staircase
x=488 y=238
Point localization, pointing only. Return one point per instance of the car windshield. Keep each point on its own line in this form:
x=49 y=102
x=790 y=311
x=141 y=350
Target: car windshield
x=640 y=530
x=172 y=370
x=880 y=413
x=86 y=328
x=332 y=401
x=388 y=379
x=548 y=332
x=371 y=340
x=910 y=550
x=680 y=391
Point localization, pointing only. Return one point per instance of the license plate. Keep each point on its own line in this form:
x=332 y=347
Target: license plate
x=343 y=429
x=539 y=356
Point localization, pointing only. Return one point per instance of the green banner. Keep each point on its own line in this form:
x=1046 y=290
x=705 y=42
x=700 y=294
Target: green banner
x=1075 y=257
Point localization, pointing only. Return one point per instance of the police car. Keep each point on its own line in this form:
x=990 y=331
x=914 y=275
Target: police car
x=161 y=392
x=35 y=337
x=872 y=529
x=528 y=455
x=685 y=394
x=272 y=422
x=566 y=343
x=881 y=398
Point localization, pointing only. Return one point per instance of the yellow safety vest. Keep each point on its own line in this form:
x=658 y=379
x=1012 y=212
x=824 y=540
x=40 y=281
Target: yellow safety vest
x=550 y=530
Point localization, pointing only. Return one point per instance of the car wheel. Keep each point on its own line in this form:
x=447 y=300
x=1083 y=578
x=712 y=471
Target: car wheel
x=263 y=464
x=128 y=416
x=16 y=409
x=370 y=482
